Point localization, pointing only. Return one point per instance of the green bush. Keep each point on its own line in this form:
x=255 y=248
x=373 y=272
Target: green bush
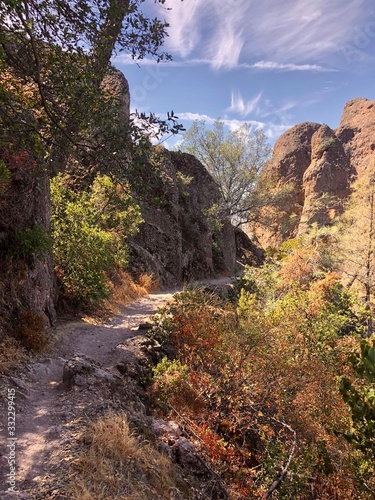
x=362 y=400
x=89 y=229
x=32 y=241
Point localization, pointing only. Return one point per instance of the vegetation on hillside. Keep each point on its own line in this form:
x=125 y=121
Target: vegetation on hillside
x=89 y=231
x=273 y=384
x=58 y=115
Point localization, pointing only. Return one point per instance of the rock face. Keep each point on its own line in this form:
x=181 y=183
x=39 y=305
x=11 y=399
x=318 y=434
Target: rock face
x=116 y=87
x=318 y=164
x=357 y=134
x=179 y=239
x=26 y=277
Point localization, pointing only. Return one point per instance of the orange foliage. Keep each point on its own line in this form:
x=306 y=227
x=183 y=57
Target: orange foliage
x=255 y=371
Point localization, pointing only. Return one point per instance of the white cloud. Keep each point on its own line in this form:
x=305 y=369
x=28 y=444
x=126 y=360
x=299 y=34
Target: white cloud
x=272 y=130
x=271 y=65
x=221 y=61
x=244 y=108
x=295 y=36
x=195 y=116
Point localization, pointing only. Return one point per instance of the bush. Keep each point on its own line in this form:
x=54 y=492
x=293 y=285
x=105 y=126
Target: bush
x=89 y=230
x=32 y=241
x=361 y=400
x=265 y=373
x=31 y=331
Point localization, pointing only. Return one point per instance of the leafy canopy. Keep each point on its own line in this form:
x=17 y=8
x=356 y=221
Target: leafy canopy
x=234 y=159
x=54 y=56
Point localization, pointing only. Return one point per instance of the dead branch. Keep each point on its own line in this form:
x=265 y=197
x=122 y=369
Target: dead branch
x=284 y=470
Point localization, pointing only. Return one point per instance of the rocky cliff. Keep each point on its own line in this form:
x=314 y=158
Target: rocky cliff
x=318 y=164
x=181 y=237
x=27 y=280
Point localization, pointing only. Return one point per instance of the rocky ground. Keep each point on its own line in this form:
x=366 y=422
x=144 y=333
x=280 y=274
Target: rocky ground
x=88 y=370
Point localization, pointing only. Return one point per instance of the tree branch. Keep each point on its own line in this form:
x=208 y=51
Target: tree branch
x=284 y=470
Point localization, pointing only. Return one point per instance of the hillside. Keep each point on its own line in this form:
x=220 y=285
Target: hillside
x=255 y=375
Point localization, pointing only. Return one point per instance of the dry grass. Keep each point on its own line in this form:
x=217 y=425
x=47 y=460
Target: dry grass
x=116 y=464
x=31 y=330
x=125 y=290
x=11 y=354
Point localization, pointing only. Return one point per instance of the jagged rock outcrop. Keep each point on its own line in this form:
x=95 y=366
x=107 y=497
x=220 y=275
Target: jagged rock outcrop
x=318 y=164
x=179 y=240
x=326 y=180
x=357 y=134
x=116 y=86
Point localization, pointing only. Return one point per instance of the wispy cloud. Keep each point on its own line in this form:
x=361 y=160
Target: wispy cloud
x=288 y=35
x=126 y=60
x=242 y=107
x=271 y=65
x=272 y=130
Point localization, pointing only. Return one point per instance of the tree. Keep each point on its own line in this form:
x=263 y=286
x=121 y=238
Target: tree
x=356 y=235
x=54 y=55
x=234 y=159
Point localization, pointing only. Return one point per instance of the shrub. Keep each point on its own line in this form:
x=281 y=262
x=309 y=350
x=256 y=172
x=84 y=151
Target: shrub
x=265 y=372
x=361 y=400
x=12 y=353
x=89 y=229
x=115 y=463
x=32 y=241
x=30 y=330
x=172 y=385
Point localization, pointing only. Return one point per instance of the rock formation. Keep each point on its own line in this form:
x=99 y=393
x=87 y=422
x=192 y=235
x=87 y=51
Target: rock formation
x=318 y=164
x=27 y=280
x=179 y=240
x=116 y=86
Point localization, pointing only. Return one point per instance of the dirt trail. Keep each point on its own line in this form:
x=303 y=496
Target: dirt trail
x=43 y=404
x=47 y=413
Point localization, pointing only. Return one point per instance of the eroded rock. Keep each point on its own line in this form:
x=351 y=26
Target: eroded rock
x=177 y=242
x=83 y=371
x=320 y=164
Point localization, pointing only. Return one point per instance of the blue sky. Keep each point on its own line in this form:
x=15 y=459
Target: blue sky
x=272 y=64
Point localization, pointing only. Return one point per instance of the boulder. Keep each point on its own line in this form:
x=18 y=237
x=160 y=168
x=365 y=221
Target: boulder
x=83 y=371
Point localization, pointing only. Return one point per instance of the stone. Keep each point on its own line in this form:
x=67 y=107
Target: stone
x=28 y=284
x=321 y=163
x=186 y=455
x=248 y=249
x=83 y=371
x=329 y=174
x=21 y=387
x=116 y=87
x=168 y=431
x=176 y=241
